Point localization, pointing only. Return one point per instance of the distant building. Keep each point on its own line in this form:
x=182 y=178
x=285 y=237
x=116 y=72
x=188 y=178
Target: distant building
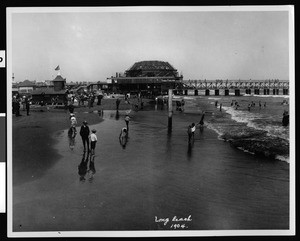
x=47 y=94
x=26 y=87
x=149 y=77
x=154 y=77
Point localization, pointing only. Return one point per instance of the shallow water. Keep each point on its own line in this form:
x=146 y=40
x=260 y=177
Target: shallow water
x=155 y=177
x=261 y=124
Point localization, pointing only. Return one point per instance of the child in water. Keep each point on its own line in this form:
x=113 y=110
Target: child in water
x=127 y=118
x=193 y=129
x=93 y=141
x=123 y=137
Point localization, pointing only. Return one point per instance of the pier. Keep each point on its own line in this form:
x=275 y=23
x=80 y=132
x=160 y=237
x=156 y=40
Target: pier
x=221 y=87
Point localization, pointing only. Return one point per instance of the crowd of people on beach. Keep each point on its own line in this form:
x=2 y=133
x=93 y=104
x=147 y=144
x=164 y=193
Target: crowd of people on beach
x=19 y=101
x=251 y=105
x=89 y=138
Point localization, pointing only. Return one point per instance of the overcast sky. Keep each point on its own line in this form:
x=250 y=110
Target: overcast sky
x=91 y=46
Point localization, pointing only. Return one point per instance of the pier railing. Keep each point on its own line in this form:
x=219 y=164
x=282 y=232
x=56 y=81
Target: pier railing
x=227 y=84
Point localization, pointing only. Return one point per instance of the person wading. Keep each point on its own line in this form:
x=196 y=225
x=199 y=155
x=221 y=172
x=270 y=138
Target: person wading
x=84 y=133
x=118 y=103
x=127 y=118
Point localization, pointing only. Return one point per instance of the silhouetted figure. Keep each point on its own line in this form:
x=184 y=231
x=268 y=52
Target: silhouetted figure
x=71 y=108
x=123 y=137
x=127 y=118
x=17 y=108
x=193 y=129
x=82 y=167
x=236 y=105
x=100 y=112
x=285 y=118
x=118 y=103
x=189 y=131
x=84 y=133
x=99 y=99
x=27 y=105
x=201 y=122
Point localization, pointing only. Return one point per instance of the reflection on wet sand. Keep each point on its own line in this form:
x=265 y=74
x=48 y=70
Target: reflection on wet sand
x=86 y=168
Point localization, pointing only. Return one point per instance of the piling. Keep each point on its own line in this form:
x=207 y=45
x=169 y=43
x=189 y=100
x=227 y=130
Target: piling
x=170 y=110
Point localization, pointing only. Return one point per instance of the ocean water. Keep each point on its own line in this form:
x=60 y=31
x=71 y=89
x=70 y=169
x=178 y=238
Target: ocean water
x=256 y=131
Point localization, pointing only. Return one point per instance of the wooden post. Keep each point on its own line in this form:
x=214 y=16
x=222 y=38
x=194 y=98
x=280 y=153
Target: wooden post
x=170 y=111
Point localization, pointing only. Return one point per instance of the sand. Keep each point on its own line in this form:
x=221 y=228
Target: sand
x=157 y=176
x=33 y=135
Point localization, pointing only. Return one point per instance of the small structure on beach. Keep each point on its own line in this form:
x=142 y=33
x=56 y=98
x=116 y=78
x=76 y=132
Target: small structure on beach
x=55 y=92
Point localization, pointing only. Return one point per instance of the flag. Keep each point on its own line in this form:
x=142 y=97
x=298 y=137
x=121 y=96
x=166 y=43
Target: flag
x=57 y=68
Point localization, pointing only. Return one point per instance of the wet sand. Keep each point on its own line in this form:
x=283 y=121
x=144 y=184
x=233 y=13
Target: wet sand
x=156 y=176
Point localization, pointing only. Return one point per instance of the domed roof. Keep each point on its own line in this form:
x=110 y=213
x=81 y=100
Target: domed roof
x=151 y=68
x=152 y=65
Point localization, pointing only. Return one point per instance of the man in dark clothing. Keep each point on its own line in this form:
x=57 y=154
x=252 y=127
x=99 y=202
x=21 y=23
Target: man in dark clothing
x=71 y=108
x=27 y=103
x=285 y=118
x=17 y=108
x=118 y=103
x=85 y=132
x=99 y=99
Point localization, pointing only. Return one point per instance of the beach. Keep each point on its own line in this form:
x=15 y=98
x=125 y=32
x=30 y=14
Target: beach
x=149 y=183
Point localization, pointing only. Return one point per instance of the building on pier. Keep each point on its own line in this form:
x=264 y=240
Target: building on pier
x=145 y=77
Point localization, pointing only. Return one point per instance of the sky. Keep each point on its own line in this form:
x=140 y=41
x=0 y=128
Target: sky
x=92 y=46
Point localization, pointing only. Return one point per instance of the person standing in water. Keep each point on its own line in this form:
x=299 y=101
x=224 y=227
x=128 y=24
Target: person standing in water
x=118 y=103
x=27 y=104
x=123 y=137
x=285 y=118
x=201 y=122
x=73 y=120
x=84 y=133
x=193 y=129
x=127 y=118
x=93 y=141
